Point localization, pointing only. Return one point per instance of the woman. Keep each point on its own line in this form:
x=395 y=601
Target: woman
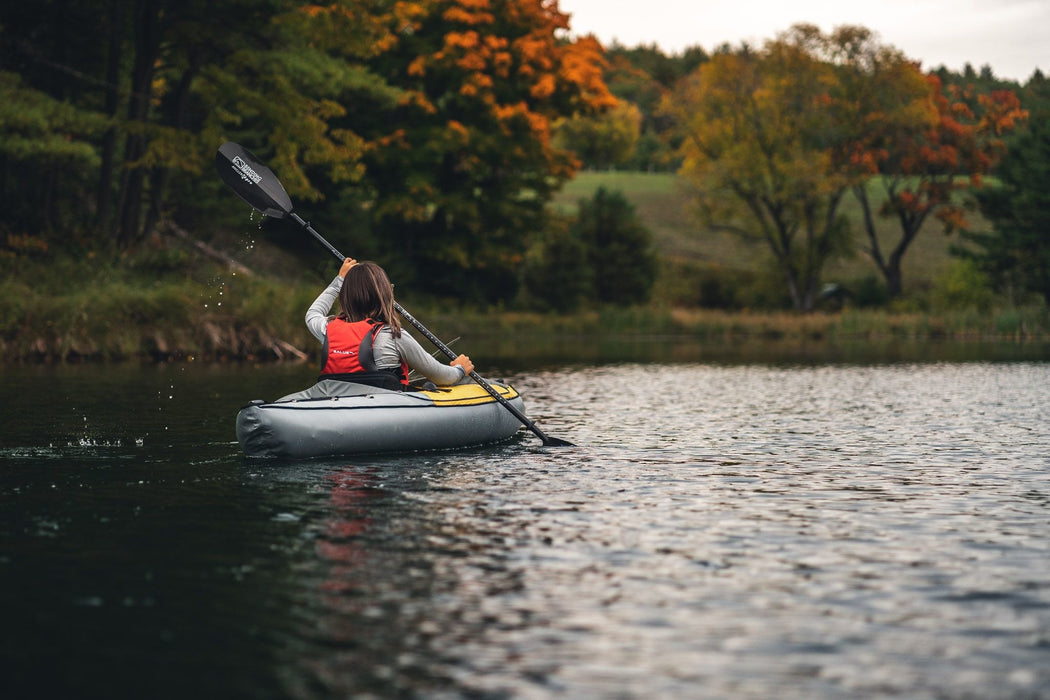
x=364 y=343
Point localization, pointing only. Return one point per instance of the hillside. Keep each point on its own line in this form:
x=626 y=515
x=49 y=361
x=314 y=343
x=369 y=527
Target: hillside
x=662 y=203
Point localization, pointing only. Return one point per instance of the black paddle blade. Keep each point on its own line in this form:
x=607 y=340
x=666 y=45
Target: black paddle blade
x=556 y=442
x=252 y=181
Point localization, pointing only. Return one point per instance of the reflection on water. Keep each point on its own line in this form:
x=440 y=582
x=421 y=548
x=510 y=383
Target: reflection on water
x=535 y=351
x=727 y=531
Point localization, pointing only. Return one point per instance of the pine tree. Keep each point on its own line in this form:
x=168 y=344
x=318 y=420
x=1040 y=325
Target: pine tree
x=1017 y=253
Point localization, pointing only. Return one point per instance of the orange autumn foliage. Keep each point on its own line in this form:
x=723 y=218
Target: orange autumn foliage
x=478 y=86
x=963 y=144
x=497 y=47
x=814 y=115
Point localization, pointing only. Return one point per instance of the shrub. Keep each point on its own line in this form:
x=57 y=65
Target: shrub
x=870 y=291
x=706 y=285
x=962 y=286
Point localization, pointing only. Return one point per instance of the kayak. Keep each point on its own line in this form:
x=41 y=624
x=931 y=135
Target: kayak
x=371 y=420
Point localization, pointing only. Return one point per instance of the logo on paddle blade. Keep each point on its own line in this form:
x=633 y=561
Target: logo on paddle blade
x=245 y=171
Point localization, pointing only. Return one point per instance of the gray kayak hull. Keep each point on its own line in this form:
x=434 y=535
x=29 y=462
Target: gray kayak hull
x=378 y=421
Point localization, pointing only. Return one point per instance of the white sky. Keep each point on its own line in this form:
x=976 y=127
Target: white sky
x=1011 y=36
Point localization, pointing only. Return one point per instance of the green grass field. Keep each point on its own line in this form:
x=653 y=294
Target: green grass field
x=662 y=203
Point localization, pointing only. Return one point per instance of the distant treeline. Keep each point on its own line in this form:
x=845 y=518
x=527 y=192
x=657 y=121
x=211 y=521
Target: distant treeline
x=641 y=75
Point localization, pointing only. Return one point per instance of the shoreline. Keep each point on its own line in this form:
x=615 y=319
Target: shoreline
x=627 y=332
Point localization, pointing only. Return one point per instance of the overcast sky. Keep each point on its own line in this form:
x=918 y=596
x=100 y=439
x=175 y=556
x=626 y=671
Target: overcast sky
x=1011 y=36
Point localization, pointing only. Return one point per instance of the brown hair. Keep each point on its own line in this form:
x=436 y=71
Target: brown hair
x=367 y=293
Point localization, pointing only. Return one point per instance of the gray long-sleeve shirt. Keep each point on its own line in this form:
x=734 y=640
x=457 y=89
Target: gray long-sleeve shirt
x=387 y=350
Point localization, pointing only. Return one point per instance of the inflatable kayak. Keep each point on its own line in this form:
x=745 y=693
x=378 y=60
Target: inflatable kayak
x=374 y=420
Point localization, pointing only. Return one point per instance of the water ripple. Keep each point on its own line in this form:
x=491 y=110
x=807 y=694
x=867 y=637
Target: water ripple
x=720 y=531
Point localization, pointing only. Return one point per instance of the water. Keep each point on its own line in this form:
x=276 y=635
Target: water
x=722 y=531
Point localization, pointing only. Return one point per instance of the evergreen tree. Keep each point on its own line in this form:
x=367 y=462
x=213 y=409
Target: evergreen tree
x=1017 y=253
x=556 y=275
x=619 y=248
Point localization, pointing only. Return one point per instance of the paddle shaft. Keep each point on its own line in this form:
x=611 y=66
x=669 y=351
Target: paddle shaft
x=313 y=232
x=547 y=440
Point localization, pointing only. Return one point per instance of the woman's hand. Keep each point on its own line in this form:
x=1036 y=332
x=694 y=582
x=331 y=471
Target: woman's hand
x=347 y=264
x=464 y=362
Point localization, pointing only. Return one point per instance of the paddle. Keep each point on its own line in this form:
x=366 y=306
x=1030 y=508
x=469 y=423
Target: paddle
x=259 y=187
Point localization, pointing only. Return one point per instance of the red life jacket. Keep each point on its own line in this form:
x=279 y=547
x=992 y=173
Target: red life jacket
x=348 y=355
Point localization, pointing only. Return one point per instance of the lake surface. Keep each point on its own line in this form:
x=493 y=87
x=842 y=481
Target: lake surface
x=723 y=530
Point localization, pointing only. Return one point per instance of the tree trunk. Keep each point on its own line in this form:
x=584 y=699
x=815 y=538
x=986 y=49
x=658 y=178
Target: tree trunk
x=874 y=249
x=911 y=223
x=147 y=43
x=890 y=267
x=894 y=280
x=793 y=290
x=175 y=116
x=104 y=208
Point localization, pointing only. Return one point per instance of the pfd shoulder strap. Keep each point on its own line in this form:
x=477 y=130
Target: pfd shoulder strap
x=364 y=351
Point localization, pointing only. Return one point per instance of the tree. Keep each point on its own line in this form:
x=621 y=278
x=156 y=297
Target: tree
x=51 y=146
x=279 y=84
x=49 y=132
x=642 y=75
x=604 y=140
x=924 y=164
x=1017 y=253
x=171 y=80
x=555 y=273
x=463 y=165
x=846 y=112
x=1036 y=95
x=604 y=254
x=618 y=248
x=760 y=133
x=883 y=100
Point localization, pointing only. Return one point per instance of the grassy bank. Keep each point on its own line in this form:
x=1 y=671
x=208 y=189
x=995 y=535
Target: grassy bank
x=108 y=310
x=706 y=325
x=74 y=311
